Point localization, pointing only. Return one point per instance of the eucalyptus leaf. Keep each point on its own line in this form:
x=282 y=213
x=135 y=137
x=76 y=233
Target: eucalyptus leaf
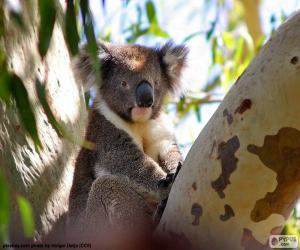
x=4 y=210
x=26 y=215
x=26 y=114
x=47 y=12
x=4 y=85
x=92 y=46
x=71 y=32
x=41 y=93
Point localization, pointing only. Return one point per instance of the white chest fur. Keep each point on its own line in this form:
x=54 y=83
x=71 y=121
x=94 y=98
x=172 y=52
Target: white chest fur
x=154 y=137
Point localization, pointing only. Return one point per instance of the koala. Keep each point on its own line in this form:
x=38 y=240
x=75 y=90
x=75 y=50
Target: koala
x=130 y=170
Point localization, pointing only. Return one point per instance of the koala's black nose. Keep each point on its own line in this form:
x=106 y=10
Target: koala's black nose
x=144 y=94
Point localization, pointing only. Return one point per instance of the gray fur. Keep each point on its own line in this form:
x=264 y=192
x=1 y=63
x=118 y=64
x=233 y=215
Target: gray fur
x=117 y=183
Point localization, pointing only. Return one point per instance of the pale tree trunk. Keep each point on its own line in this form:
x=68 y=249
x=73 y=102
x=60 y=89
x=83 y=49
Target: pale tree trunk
x=241 y=178
x=44 y=177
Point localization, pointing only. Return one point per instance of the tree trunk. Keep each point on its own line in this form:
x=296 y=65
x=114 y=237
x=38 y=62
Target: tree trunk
x=241 y=178
x=44 y=177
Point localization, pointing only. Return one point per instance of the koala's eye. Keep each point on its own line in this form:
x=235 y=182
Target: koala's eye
x=124 y=84
x=156 y=83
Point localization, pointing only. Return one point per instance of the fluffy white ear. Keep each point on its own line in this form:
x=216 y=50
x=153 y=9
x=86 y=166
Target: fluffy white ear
x=83 y=67
x=174 y=58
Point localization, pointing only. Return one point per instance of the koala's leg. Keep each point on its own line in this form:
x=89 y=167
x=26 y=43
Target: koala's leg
x=113 y=203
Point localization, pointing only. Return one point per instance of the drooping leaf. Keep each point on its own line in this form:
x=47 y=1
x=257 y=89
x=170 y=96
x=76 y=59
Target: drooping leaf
x=41 y=93
x=4 y=85
x=191 y=36
x=47 y=12
x=71 y=32
x=26 y=215
x=154 y=28
x=151 y=13
x=26 y=114
x=92 y=47
x=4 y=210
x=211 y=30
x=197 y=113
x=228 y=39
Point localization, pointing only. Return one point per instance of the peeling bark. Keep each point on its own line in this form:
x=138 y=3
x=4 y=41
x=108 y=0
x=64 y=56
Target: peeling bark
x=259 y=179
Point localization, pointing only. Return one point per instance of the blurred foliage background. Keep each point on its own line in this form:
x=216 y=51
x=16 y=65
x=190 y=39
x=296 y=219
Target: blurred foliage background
x=223 y=37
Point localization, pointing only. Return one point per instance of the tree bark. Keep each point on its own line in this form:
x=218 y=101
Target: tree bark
x=241 y=178
x=44 y=177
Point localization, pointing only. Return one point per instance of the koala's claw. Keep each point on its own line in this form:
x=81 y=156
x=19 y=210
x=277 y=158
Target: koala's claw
x=170 y=178
x=164 y=183
x=177 y=170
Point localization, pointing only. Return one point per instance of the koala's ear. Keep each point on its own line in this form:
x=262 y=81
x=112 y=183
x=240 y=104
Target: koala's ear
x=173 y=59
x=83 y=66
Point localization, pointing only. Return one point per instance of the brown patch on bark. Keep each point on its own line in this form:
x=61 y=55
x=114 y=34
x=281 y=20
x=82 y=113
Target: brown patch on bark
x=194 y=186
x=226 y=151
x=196 y=210
x=228 y=116
x=294 y=60
x=280 y=153
x=228 y=213
x=245 y=105
x=249 y=242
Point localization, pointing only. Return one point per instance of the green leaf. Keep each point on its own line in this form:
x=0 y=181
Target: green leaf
x=92 y=47
x=61 y=130
x=154 y=28
x=4 y=210
x=71 y=32
x=228 y=39
x=210 y=32
x=26 y=215
x=20 y=95
x=191 y=36
x=4 y=85
x=197 y=113
x=238 y=53
x=214 y=45
x=47 y=14
x=151 y=13
x=41 y=93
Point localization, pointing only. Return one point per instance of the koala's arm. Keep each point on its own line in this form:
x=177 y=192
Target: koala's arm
x=121 y=156
x=170 y=157
x=163 y=146
x=142 y=171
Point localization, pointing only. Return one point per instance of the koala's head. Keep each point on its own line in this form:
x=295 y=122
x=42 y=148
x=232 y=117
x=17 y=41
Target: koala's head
x=135 y=79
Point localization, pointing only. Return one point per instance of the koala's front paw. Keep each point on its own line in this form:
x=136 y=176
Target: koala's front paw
x=177 y=170
x=164 y=186
x=167 y=181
